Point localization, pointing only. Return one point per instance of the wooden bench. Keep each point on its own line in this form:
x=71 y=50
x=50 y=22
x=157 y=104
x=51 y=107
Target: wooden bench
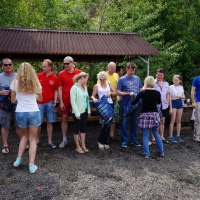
x=94 y=116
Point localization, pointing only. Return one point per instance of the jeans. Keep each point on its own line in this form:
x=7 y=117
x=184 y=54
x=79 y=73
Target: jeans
x=133 y=119
x=105 y=132
x=197 y=121
x=159 y=143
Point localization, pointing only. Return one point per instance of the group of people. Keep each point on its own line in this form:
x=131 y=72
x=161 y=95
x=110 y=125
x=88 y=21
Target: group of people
x=35 y=95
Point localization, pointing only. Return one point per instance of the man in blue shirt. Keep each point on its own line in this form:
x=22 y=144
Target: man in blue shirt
x=195 y=96
x=127 y=86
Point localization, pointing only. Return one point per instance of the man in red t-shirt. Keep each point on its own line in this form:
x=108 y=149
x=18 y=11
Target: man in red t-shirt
x=49 y=83
x=65 y=82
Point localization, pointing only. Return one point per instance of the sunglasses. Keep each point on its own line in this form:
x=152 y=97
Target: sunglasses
x=67 y=63
x=102 y=79
x=6 y=65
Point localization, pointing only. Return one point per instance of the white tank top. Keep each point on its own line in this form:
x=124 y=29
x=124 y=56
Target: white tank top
x=104 y=91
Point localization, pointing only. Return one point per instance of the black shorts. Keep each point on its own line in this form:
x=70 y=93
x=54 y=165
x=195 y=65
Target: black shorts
x=80 y=124
x=165 y=112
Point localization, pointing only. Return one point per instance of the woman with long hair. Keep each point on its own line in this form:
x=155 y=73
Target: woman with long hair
x=25 y=89
x=149 y=117
x=177 y=95
x=79 y=99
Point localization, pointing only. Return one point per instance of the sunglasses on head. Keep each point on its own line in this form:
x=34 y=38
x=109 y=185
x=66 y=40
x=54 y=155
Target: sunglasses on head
x=67 y=63
x=102 y=79
x=6 y=65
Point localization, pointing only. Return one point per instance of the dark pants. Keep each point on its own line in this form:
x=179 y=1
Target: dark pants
x=104 y=134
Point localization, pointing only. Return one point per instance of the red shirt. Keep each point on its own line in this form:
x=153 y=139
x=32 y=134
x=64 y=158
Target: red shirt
x=49 y=85
x=65 y=80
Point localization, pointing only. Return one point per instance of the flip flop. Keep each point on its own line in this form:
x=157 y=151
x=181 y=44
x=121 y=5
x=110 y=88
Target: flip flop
x=165 y=141
x=52 y=146
x=5 y=150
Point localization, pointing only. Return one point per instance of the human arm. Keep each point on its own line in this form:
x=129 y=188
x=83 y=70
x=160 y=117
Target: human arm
x=112 y=91
x=55 y=98
x=73 y=100
x=119 y=92
x=193 y=97
x=94 y=93
x=62 y=107
x=39 y=96
x=13 y=96
x=169 y=102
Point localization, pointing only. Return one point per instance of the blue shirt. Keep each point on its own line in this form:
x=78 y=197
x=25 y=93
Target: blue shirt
x=196 y=84
x=129 y=84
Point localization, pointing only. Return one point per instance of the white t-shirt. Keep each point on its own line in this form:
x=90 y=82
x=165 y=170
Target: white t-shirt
x=25 y=102
x=176 y=90
x=104 y=91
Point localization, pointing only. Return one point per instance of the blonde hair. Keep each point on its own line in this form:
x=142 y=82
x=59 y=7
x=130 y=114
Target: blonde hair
x=102 y=74
x=77 y=77
x=27 y=80
x=149 y=82
x=179 y=77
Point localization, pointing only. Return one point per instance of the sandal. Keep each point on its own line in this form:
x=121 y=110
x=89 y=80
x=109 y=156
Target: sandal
x=52 y=146
x=106 y=146
x=5 y=150
x=153 y=142
x=165 y=141
x=101 y=146
x=79 y=150
x=85 y=150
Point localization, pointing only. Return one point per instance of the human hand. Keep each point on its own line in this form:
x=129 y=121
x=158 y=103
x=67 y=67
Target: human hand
x=131 y=93
x=5 y=92
x=62 y=107
x=78 y=117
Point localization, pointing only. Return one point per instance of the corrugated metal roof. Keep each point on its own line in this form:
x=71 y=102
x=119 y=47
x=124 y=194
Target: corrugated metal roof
x=80 y=43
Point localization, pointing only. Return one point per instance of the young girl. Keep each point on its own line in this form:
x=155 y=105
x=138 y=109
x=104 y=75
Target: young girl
x=81 y=108
x=177 y=94
x=25 y=89
x=149 y=117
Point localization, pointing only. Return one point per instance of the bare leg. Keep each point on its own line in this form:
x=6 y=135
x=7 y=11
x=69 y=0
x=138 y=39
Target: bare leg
x=32 y=139
x=112 y=129
x=76 y=140
x=23 y=142
x=19 y=132
x=64 y=125
x=49 y=132
x=38 y=134
x=171 y=126
x=162 y=127
x=5 y=133
x=178 y=121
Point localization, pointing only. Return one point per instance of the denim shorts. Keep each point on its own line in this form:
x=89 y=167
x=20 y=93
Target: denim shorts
x=48 y=110
x=177 y=104
x=28 y=119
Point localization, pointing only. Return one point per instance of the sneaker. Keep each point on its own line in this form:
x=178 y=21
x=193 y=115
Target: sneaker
x=179 y=139
x=136 y=143
x=171 y=139
x=124 y=145
x=17 y=163
x=161 y=154
x=32 y=168
x=146 y=157
x=196 y=139
x=150 y=143
x=63 y=144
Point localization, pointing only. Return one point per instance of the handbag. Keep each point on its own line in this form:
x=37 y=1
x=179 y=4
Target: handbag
x=5 y=103
x=104 y=109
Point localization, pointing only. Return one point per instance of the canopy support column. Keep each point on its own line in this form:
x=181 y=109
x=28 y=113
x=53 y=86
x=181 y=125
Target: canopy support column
x=146 y=60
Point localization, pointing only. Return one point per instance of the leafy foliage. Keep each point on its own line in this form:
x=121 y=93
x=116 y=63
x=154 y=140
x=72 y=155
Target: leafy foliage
x=171 y=26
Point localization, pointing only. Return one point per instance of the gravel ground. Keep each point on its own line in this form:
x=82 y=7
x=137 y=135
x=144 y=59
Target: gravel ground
x=111 y=174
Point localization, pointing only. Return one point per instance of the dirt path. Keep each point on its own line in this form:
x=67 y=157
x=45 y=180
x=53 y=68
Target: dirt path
x=112 y=174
